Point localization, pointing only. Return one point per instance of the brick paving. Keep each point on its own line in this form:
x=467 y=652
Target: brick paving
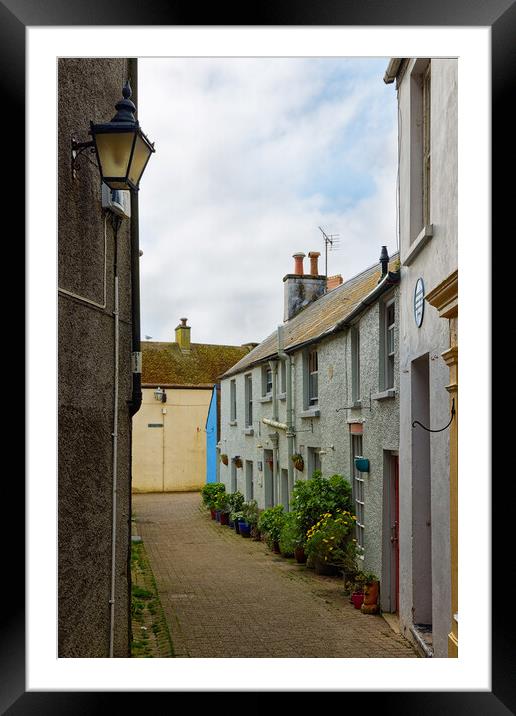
x=227 y=596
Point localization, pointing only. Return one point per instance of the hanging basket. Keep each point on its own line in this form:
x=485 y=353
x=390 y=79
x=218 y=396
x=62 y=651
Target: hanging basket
x=299 y=463
x=238 y=461
x=224 y=459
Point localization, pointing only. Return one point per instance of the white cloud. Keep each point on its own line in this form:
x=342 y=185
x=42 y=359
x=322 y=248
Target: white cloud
x=232 y=191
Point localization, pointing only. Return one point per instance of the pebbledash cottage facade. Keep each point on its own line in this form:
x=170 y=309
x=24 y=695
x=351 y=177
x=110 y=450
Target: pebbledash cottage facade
x=324 y=385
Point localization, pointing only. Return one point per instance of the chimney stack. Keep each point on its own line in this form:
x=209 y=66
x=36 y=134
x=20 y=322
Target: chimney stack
x=384 y=261
x=300 y=288
x=183 y=335
x=314 y=255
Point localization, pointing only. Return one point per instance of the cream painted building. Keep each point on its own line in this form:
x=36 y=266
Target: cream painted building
x=169 y=438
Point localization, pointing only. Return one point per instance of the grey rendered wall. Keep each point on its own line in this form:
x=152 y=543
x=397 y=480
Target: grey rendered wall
x=88 y=90
x=435 y=262
x=330 y=431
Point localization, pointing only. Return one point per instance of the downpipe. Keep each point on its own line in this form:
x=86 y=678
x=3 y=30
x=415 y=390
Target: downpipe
x=289 y=421
x=116 y=226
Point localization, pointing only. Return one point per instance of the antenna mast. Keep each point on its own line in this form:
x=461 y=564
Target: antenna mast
x=332 y=240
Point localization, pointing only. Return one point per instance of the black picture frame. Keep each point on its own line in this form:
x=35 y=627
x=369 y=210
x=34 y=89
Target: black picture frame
x=500 y=16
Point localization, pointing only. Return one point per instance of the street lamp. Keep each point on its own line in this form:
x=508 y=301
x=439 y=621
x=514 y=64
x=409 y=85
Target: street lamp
x=121 y=147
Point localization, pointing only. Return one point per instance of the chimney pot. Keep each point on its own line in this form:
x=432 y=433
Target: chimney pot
x=314 y=255
x=384 y=260
x=298 y=263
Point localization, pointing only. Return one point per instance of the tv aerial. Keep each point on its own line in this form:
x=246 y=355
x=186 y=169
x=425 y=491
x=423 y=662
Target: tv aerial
x=332 y=241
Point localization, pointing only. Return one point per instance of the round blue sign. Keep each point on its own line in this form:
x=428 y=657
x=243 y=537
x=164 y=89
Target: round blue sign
x=419 y=301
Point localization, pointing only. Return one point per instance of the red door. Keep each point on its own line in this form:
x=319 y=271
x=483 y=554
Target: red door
x=395 y=512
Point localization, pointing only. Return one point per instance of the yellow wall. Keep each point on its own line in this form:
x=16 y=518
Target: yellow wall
x=171 y=458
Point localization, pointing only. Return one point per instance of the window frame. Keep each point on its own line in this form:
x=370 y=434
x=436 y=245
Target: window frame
x=312 y=377
x=389 y=356
x=355 y=363
x=248 y=384
x=232 y=401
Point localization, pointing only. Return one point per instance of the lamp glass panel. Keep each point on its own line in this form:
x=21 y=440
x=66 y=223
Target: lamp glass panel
x=140 y=156
x=114 y=150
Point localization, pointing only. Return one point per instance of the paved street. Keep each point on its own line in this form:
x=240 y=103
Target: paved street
x=226 y=596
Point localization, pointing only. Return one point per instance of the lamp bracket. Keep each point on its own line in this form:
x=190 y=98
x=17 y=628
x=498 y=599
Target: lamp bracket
x=79 y=148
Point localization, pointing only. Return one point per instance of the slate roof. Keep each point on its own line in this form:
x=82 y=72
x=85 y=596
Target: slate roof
x=164 y=364
x=319 y=318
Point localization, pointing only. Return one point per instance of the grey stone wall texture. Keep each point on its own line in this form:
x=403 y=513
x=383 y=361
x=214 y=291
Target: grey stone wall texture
x=436 y=261
x=330 y=432
x=88 y=90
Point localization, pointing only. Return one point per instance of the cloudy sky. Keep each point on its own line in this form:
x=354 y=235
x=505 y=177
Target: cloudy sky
x=252 y=156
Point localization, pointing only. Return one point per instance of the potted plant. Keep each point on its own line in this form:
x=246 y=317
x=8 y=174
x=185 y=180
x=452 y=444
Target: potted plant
x=270 y=522
x=291 y=540
x=238 y=461
x=209 y=495
x=298 y=461
x=327 y=541
x=237 y=518
x=224 y=459
x=357 y=590
x=221 y=507
x=250 y=517
x=371 y=591
x=234 y=504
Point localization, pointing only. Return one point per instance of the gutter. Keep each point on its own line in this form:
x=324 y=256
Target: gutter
x=390 y=279
x=136 y=350
x=392 y=70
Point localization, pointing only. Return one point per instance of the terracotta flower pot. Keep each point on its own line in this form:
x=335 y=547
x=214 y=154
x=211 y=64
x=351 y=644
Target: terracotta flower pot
x=370 y=603
x=357 y=598
x=276 y=547
x=213 y=514
x=300 y=555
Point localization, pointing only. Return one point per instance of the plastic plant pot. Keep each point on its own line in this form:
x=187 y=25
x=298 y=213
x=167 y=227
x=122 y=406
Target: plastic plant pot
x=357 y=598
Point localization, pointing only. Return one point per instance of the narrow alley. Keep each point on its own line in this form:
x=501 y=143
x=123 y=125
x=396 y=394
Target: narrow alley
x=226 y=596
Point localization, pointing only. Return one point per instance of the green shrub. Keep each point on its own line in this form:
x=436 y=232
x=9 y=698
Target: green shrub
x=250 y=512
x=290 y=535
x=270 y=522
x=330 y=539
x=235 y=500
x=209 y=493
x=318 y=495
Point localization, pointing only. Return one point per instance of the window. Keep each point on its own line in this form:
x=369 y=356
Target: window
x=266 y=381
x=232 y=398
x=249 y=401
x=419 y=147
x=283 y=376
x=355 y=364
x=313 y=385
x=314 y=461
x=426 y=146
x=358 y=490
x=389 y=345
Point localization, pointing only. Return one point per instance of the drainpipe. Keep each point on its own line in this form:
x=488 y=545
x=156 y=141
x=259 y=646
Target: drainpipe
x=273 y=365
x=289 y=421
x=116 y=225
x=136 y=397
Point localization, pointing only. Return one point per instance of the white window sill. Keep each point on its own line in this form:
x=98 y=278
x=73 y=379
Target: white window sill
x=248 y=431
x=310 y=413
x=420 y=242
x=266 y=399
x=233 y=422
x=356 y=404
x=384 y=395
x=282 y=396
